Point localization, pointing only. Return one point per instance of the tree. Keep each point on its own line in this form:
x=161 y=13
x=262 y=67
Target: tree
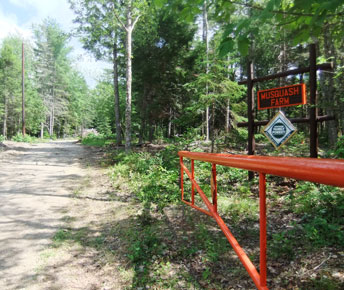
x=127 y=18
x=163 y=63
x=100 y=35
x=56 y=80
x=10 y=71
x=51 y=68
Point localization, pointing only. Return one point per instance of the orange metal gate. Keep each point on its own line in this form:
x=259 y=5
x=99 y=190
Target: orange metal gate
x=324 y=171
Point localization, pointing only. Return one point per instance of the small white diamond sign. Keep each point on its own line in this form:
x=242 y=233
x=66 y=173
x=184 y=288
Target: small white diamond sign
x=279 y=130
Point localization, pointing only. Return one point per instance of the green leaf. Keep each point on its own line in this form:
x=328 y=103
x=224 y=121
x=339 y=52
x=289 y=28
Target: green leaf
x=226 y=46
x=159 y=3
x=302 y=36
x=243 y=45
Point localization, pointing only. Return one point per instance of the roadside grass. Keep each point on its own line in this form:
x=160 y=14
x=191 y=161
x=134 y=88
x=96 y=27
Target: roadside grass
x=310 y=217
x=99 y=140
x=161 y=244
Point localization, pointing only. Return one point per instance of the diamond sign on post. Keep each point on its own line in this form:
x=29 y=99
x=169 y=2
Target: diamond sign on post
x=279 y=130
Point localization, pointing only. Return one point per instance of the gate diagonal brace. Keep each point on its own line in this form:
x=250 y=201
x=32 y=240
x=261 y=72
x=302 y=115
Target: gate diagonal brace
x=324 y=171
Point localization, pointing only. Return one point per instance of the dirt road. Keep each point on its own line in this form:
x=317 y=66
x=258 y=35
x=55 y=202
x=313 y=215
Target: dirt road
x=37 y=183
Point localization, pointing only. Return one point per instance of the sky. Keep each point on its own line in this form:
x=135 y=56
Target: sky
x=18 y=16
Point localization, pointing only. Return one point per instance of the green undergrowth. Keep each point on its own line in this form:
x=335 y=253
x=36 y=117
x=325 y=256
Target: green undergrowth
x=338 y=152
x=318 y=219
x=99 y=140
x=25 y=138
x=151 y=177
x=189 y=253
x=317 y=210
x=155 y=177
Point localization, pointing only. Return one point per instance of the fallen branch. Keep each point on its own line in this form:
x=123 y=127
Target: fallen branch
x=317 y=267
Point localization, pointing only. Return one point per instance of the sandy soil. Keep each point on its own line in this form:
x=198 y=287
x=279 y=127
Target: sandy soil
x=37 y=184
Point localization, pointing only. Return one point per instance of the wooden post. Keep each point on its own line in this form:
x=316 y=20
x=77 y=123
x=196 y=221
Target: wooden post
x=250 y=114
x=313 y=132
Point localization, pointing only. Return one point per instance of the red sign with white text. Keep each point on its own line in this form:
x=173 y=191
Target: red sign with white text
x=282 y=97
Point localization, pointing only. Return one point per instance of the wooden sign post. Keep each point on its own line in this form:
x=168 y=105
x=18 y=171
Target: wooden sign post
x=313 y=117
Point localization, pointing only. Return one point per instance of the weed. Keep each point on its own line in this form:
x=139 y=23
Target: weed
x=61 y=236
x=238 y=207
x=76 y=192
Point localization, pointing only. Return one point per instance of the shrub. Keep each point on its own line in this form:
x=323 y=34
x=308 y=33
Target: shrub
x=19 y=137
x=152 y=178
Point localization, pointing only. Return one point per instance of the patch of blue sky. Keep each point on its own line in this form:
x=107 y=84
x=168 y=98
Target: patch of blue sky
x=23 y=13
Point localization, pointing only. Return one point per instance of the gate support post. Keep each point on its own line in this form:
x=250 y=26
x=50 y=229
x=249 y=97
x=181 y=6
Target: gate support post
x=262 y=222
x=181 y=177
x=214 y=186
x=250 y=113
x=192 y=184
x=313 y=133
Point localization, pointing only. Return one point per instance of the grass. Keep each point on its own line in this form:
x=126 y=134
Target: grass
x=166 y=245
x=99 y=140
x=315 y=222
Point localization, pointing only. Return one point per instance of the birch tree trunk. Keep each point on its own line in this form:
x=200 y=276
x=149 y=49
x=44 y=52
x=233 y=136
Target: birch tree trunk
x=116 y=94
x=227 y=117
x=42 y=130
x=169 y=130
x=129 y=81
x=129 y=27
x=52 y=117
x=205 y=40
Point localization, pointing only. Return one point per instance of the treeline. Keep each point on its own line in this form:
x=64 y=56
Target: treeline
x=176 y=65
x=56 y=95
x=187 y=57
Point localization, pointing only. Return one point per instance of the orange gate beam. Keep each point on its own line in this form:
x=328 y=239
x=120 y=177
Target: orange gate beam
x=325 y=171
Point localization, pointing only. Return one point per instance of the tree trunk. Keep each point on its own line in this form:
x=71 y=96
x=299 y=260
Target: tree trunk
x=228 y=121
x=151 y=132
x=42 y=130
x=207 y=123
x=51 y=121
x=116 y=94
x=227 y=117
x=169 y=130
x=203 y=124
x=52 y=114
x=4 y=129
x=213 y=128
x=329 y=91
x=205 y=40
x=129 y=80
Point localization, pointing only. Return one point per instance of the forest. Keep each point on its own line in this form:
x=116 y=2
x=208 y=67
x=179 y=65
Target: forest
x=175 y=73
x=176 y=83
